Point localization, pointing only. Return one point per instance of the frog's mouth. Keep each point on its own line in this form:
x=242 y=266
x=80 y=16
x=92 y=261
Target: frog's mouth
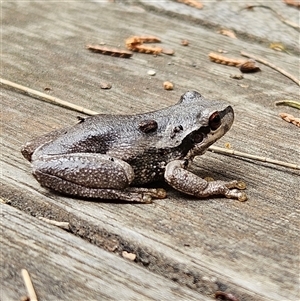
x=219 y=123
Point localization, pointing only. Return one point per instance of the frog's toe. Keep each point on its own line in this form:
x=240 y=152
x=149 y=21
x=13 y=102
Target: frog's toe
x=161 y=193
x=236 y=184
x=236 y=194
x=146 y=198
x=242 y=197
x=241 y=185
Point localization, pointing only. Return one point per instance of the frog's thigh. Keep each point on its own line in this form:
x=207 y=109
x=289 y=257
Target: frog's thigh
x=183 y=180
x=92 y=176
x=88 y=170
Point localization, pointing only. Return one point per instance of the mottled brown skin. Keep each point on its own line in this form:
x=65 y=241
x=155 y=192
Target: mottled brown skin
x=107 y=156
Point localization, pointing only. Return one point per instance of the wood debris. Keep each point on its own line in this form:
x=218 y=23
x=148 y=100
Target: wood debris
x=290 y=118
x=168 y=51
x=193 y=3
x=29 y=286
x=249 y=67
x=228 y=33
x=184 y=42
x=263 y=61
x=130 y=256
x=105 y=85
x=136 y=43
x=109 y=51
x=237 y=76
x=292 y=3
x=62 y=225
x=277 y=47
x=168 y=85
x=220 y=59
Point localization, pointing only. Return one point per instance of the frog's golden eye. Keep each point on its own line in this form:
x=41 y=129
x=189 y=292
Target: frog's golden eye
x=214 y=121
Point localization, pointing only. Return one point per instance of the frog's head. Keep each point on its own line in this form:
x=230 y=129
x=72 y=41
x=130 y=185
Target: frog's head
x=211 y=120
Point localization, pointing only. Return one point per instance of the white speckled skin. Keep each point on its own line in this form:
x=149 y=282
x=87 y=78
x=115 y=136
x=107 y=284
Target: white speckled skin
x=106 y=156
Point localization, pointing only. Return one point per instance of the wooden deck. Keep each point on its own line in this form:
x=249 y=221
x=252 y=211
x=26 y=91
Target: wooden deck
x=186 y=249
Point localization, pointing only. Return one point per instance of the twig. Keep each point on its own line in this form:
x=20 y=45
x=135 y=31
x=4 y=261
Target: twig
x=220 y=150
x=29 y=286
x=258 y=59
x=289 y=103
x=45 y=97
x=62 y=225
x=280 y=17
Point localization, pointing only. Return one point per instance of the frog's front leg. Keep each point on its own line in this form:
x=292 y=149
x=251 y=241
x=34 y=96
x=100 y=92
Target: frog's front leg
x=183 y=180
x=90 y=175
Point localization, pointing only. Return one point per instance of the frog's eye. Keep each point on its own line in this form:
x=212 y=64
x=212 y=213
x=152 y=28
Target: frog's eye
x=214 y=121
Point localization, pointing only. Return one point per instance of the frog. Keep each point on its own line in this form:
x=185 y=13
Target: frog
x=115 y=157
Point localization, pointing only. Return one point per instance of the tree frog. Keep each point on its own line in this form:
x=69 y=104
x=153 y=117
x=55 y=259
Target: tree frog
x=113 y=156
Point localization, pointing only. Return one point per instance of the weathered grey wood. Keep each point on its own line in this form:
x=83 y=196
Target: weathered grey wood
x=250 y=249
x=65 y=267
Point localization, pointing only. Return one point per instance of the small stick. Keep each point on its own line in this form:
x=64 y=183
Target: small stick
x=45 y=97
x=290 y=103
x=280 y=17
x=62 y=225
x=29 y=285
x=220 y=150
x=258 y=59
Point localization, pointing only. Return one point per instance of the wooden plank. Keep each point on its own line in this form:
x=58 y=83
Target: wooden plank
x=65 y=267
x=243 y=248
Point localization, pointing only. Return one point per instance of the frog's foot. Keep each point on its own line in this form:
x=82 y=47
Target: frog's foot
x=183 y=180
x=222 y=187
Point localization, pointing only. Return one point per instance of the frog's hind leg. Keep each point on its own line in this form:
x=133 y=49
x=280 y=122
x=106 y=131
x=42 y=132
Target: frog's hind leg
x=91 y=176
x=130 y=194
